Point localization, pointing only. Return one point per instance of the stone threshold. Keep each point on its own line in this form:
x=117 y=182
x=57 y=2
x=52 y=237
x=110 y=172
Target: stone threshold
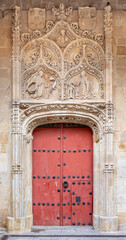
x=51 y=232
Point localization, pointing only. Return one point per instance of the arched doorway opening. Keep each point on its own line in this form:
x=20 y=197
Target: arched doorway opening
x=62 y=175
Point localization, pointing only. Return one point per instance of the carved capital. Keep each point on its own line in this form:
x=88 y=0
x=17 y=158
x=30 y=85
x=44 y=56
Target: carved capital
x=28 y=138
x=109 y=127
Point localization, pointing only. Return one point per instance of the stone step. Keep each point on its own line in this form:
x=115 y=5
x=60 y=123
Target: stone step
x=62 y=237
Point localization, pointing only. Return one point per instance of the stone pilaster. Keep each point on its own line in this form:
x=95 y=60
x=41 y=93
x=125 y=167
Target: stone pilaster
x=16 y=49
x=109 y=220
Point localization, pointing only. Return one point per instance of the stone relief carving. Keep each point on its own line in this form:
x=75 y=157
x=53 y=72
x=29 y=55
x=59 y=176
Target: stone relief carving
x=108 y=33
x=15 y=119
x=78 y=62
x=36 y=18
x=16 y=29
x=28 y=138
x=84 y=49
x=40 y=85
x=95 y=110
x=65 y=119
x=83 y=85
x=77 y=56
x=87 y=18
x=109 y=128
x=41 y=51
x=62 y=13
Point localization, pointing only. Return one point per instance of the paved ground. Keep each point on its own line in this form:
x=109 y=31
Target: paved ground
x=63 y=233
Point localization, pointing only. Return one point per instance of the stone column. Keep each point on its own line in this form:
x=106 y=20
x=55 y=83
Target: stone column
x=27 y=177
x=17 y=222
x=109 y=220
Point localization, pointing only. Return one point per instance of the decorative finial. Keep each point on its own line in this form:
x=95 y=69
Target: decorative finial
x=62 y=12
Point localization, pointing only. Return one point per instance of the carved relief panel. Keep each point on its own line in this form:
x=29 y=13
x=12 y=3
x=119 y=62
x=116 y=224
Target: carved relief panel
x=62 y=60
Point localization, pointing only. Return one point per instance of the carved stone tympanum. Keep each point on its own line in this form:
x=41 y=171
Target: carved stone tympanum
x=60 y=63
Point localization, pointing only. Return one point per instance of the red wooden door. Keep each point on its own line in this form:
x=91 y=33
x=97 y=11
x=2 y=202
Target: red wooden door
x=62 y=175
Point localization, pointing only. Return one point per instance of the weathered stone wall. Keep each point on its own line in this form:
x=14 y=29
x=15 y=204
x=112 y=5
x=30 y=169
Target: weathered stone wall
x=119 y=97
x=99 y=4
x=119 y=86
x=5 y=98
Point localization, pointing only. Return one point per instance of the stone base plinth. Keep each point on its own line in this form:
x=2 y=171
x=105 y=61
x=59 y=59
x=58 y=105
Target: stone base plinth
x=108 y=224
x=96 y=222
x=19 y=225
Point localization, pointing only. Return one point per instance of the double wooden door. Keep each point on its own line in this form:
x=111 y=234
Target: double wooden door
x=62 y=175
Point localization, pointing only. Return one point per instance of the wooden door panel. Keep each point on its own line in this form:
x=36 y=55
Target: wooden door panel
x=46 y=176
x=62 y=175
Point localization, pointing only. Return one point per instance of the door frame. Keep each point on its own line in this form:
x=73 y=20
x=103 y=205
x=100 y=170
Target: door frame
x=39 y=114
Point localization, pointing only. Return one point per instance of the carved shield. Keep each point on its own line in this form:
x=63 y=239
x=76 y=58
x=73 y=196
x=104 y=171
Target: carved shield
x=36 y=18
x=87 y=18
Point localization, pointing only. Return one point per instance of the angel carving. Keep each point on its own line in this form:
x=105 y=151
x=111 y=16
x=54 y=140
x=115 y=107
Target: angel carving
x=40 y=85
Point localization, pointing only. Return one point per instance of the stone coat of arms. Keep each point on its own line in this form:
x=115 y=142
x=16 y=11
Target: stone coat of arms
x=36 y=18
x=87 y=18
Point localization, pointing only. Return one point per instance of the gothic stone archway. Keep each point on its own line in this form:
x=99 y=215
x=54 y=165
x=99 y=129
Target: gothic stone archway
x=62 y=73
x=22 y=173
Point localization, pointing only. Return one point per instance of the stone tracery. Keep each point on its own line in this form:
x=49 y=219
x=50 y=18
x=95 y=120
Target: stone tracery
x=69 y=55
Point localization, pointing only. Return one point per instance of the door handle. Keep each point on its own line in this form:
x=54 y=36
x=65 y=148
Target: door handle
x=65 y=184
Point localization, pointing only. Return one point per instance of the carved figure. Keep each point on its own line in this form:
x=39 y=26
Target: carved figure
x=79 y=87
x=85 y=85
x=62 y=40
x=41 y=85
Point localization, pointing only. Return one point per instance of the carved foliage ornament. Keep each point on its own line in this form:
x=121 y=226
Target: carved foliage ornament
x=56 y=119
x=16 y=28
x=108 y=33
x=96 y=109
x=93 y=111
x=108 y=20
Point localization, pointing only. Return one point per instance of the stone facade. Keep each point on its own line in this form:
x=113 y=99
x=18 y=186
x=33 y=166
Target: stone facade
x=62 y=64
